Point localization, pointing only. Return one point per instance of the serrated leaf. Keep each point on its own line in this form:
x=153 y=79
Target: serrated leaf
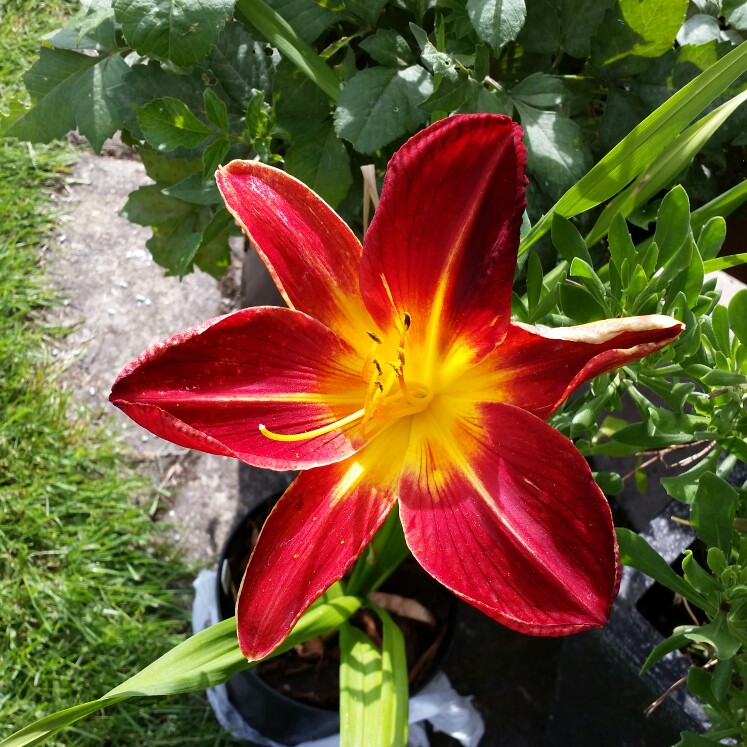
x=51 y=83
x=567 y=25
x=213 y=255
x=149 y=206
x=738 y=315
x=181 y=31
x=540 y=91
x=380 y=104
x=388 y=48
x=164 y=170
x=168 y=124
x=300 y=105
x=367 y=10
x=497 y=22
x=239 y=65
x=195 y=190
x=215 y=109
x=556 y=153
x=320 y=160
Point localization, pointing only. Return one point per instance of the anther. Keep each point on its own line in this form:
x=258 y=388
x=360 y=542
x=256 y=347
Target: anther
x=407 y=320
x=375 y=337
x=377 y=365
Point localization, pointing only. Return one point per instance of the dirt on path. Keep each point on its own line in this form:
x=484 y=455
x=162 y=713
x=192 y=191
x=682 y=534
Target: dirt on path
x=119 y=303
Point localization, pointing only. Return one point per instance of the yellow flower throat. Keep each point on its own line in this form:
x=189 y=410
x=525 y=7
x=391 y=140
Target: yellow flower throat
x=384 y=402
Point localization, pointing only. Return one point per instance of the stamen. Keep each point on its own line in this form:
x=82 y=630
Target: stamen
x=357 y=415
x=407 y=320
x=375 y=337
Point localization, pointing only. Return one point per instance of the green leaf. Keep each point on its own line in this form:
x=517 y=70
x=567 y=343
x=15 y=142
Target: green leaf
x=690 y=739
x=168 y=124
x=644 y=28
x=684 y=486
x=373 y=687
x=196 y=190
x=711 y=237
x=149 y=206
x=638 y=149
x=497 y=22
x=164 y=169
x=675 y=641
x=568 y=241
x=672 y=223
x=738 y=315
x=215 y=109
x=278 y=32
x=717 y=635
x=367 y=10
x=388 y=48
x=713 y=511
x=300 y=105
x=307 y=17
x=636 y=552
x=239 y=65
x=380 y=104
x=181 y=31
x=320 y=160
x=540 y=90
x=554 y=26
x=214 y=156
x=725 y=262
x=51 y=83
x=735 y=13
x=556 y=152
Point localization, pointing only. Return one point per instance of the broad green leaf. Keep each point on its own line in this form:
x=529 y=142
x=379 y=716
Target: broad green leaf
x=278 y=32
x=300 y=105
x=644 y=28
x=307 y=17
x=380 y=104
x=165 y=170
x=51 y=83
x=568 y=241
x=735 y=13
x=556 y=153
x=540 y=91
x=636 y=552
x=214 y=252
x=196 y=190
x=215 y=109
x=713 y=511
x=497 y=22
x=698 y=29
x=149 y=206
x=214 y=156
x=388 y=48
x=94 y=100
x=320 y=160
x=738 y=315
x=650 y=138
x=667 y=166
x=239 y=65
x=367 y=10
x=168 y=124
x=557 y=26
x=181 y=31
x=204 y=660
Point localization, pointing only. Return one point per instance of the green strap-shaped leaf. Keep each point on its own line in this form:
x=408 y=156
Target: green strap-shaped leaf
x=636 y=552
x=645 y=143
x=281 y=34
x=206 y=659
x=373 y=687
x=666 y=167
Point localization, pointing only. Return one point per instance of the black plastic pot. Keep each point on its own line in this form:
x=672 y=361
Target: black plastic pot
x=600 y=697
x=271 y=712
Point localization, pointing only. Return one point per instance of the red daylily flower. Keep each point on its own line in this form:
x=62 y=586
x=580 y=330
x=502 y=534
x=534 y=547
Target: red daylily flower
x=396 y=376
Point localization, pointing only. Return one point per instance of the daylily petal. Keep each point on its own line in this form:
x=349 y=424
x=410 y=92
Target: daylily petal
x=211 y=386
x=311 y=253
x=446 y=232
x=314 y=534
x=536 y=368
x=508 y=517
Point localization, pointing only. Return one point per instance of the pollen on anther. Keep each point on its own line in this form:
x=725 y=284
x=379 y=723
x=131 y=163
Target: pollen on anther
x=407 y=320
x=374 y=337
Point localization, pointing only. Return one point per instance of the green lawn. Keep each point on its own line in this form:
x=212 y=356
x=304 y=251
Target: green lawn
x=90 y=589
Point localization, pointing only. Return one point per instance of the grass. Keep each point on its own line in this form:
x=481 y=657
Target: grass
x=90 y=589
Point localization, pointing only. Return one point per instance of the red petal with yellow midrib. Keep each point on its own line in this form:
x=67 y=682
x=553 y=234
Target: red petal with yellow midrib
x=514 y=523
x=446 y=233
x=314 y=534
x=311 y=253
x=536 y=368
x=210 y=387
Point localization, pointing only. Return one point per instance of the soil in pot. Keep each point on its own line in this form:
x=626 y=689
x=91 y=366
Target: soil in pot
x=309 y=674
